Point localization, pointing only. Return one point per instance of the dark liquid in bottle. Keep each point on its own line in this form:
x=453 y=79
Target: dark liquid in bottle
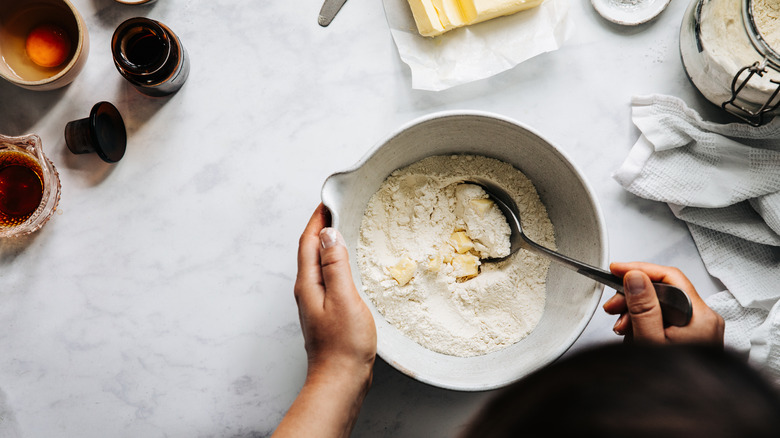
x=144 y=49
x=149 y=55
x=21 y=188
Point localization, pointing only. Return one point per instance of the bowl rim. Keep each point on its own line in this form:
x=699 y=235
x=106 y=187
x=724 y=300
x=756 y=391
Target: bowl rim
x=629 y=16
x=556 y=353
x=81 y=25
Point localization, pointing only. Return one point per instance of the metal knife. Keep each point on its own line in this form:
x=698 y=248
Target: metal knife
x=329 y=10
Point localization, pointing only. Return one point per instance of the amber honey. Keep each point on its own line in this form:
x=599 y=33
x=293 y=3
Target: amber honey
x=21 y=187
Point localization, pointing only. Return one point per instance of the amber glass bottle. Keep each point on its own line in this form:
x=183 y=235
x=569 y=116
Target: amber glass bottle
x=149 y=55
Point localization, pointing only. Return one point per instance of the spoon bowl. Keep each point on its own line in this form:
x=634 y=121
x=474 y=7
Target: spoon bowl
x=675 y=304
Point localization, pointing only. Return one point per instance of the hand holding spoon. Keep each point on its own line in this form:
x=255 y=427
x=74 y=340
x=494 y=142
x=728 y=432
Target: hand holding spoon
x=675 y=304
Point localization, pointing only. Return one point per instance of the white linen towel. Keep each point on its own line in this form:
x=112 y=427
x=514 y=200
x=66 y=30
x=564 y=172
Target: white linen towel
x=724 y=182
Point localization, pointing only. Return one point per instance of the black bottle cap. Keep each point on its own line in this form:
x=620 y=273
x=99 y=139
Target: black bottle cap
x=102 y=132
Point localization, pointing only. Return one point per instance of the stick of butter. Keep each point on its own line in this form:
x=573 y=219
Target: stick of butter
x=434 y=17
x=425 y=16
x=450 y=13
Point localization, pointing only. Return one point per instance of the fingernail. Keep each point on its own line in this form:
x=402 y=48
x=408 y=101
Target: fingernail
x=329 y=237
x=635 y=283
x=615 y=327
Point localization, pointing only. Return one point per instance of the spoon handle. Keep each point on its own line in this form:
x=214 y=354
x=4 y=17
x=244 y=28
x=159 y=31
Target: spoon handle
x=676 y=306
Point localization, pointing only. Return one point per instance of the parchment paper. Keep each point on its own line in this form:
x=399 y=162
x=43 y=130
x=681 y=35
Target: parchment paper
x=479 y=51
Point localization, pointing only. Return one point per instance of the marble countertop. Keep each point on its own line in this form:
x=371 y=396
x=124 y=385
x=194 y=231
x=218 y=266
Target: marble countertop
x=158 y=300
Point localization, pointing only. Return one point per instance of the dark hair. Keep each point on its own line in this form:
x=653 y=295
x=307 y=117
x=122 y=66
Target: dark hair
x=634 y=391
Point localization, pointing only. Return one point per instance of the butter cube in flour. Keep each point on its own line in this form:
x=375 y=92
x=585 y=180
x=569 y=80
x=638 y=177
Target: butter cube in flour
x=465 y=266
x=403 y=271
x=461 y=242
x=434 y=262
x=481 y=206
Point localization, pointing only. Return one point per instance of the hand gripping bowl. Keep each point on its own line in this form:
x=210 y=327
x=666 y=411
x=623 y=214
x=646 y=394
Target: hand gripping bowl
x=573 y=210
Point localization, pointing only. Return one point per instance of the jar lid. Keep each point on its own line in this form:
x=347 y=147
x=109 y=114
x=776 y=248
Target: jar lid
x=103 y=132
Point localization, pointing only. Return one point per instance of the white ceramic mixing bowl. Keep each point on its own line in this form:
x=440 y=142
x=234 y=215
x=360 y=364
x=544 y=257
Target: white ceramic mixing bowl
x=573 y=210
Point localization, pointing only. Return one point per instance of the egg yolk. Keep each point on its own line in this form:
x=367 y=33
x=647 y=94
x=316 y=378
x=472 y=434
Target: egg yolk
x=48 y=45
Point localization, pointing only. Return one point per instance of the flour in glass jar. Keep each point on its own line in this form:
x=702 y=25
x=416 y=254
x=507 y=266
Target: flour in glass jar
x=422 y=237
x=766 y=14
x=726 y=49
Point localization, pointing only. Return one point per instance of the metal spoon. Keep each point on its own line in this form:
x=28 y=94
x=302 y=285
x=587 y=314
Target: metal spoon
x=675 y=304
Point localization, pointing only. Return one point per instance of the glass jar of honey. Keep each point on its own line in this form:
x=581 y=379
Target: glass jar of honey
x=29 y=186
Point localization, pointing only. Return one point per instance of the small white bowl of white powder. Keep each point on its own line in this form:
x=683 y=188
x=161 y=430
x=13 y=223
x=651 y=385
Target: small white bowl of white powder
x=418 y=237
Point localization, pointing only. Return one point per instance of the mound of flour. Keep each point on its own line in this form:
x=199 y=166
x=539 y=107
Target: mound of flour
x=409 y=256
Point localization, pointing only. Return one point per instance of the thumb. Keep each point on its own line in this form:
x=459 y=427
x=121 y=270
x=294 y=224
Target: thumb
x=642 y=302
x=334 y=261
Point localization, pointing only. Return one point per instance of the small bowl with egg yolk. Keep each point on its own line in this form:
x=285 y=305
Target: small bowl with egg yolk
x=44 y=44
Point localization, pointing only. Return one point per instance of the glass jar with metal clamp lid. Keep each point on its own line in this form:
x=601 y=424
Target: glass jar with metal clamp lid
x=731 y=52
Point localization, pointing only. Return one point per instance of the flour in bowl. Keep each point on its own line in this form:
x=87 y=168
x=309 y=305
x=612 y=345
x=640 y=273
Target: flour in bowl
x=421 y=240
